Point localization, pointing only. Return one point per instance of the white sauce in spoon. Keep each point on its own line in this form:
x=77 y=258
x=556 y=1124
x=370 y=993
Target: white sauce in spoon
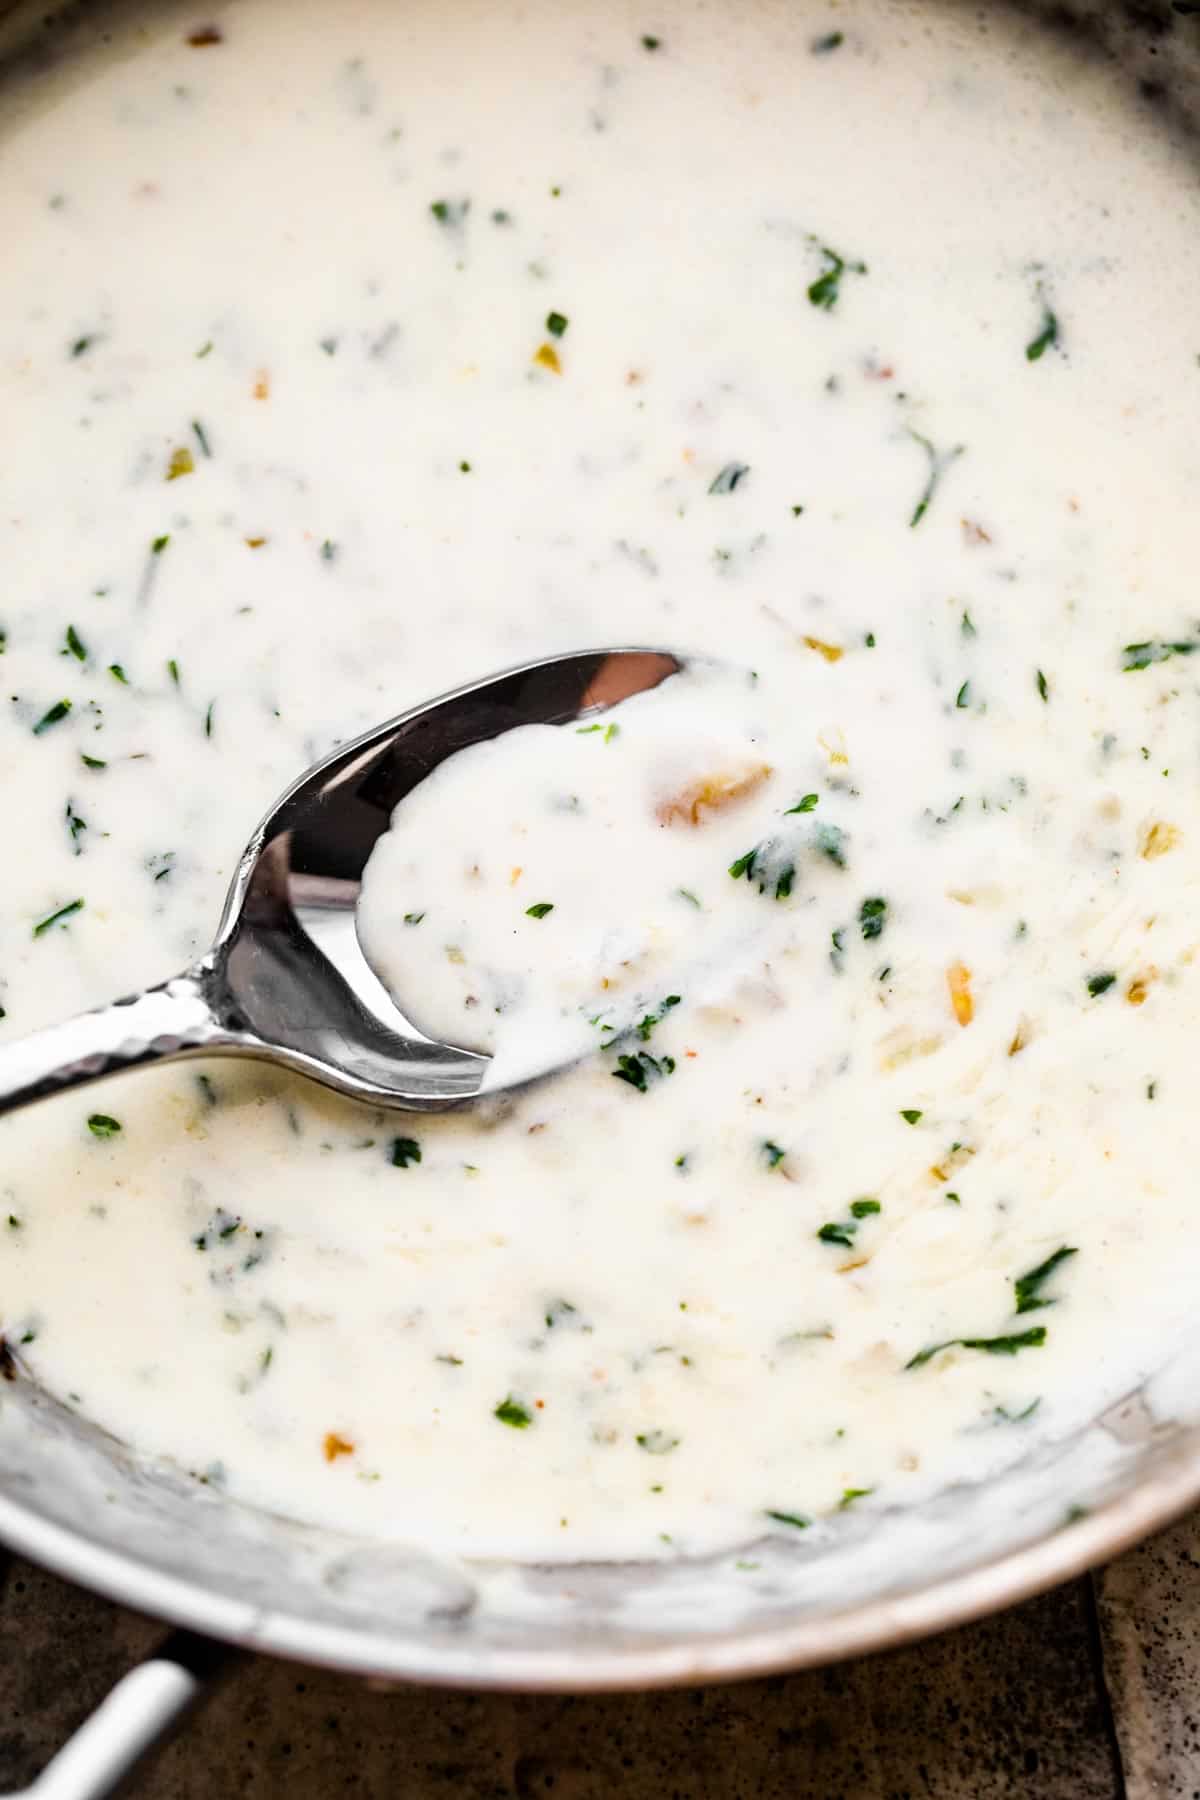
x=367 y=351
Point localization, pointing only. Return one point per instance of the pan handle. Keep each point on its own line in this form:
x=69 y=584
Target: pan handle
x=137 y=1715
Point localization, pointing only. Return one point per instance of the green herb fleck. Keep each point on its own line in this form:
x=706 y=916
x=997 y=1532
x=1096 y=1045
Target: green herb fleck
x=824 y=291
x=75 y=645
x=201 y=437
x=1043 y=687
x=539 y=910
x=963 y=696
x=850 y=1495
x=773 y=1153
x=173 y=671
x=511 y=1412
x=57 y=712
x=646 y=1024
x=637 y=1069
x=556 y=323
x=208 y=719
x=101 y=1125
x=806 y=805
x=1100 y=984
x=910 y=1115
x=830 y=841
x=1046 y=337
x=796 y=1520
x=832 y=40
x=872 y=917
x=55 y=918
x=1027 y=1288
x=939 y=462
x=1140 y=656
x=996 y=1346
x=159 y=544
x=76 y=827
x=832 y=1233
x=118 y=674
x=728 y=478
x=92 y=762
x=404 y=1150
x=862 y=1209
x=651 y=43
x=413 y=918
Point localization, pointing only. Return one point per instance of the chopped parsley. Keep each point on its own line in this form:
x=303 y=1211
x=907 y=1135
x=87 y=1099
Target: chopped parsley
x=56 y=918
x=806 y=805
x=872 y=917
x=539 y=910
x=843 y=1231
x=762 y=864
x=1027 y=1288
x=76 y=827
x=201 y=437
x=54 y=716
x=556 y=323
x=159 y=544
x=74 y=645
x=118 y=674
x=910 y=1115
x=963 y=696
x=796 y=1520
x=939 y=462
x=609 y=731
x=1100 y=983
x=404 y=1150
x=773 y=1153
x=511 y=1412
x=824 y=291
x=728 y=478
x=1047 y=336
x=832 y=40
x=1043 y=687
x=101 y=1125
x=413 y=918
x=641 y=1067
x=830 y=841
x=850 y=1495
x=645 y=1026
x=1140 y=656
x=995 y=1346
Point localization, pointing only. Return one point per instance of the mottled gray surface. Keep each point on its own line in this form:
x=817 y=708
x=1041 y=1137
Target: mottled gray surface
x=1012 y=1707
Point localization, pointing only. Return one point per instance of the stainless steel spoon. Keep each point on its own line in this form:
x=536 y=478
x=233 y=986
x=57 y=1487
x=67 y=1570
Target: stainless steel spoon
x=285 y=980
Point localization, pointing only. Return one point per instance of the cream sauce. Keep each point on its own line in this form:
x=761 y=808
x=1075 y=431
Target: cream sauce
x=366 y=351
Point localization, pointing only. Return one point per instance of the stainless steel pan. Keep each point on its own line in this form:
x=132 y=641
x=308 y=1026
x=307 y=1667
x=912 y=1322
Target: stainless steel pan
x=156 y=1539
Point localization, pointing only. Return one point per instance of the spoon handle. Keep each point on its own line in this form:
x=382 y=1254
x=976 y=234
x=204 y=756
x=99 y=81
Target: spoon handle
x=177 y=1018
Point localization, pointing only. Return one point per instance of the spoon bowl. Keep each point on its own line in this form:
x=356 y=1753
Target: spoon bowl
x=286 y=980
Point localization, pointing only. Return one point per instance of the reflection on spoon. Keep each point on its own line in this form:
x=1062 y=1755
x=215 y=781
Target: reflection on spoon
x=286 y=980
